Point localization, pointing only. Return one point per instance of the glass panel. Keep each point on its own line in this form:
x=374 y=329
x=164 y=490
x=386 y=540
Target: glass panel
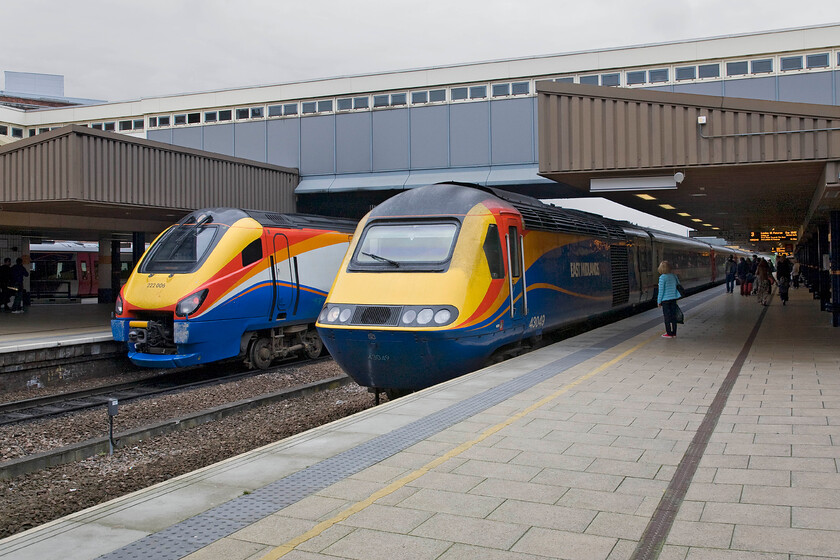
x=325 y=105
x=419 y=97
x=344 y=104
x=398 y=98
x=564 y=80
x=96 y=126
x=275 y=110
x=290 y=109
x=637 y=77
x=193 y=118
x=817 y=60
x=4 y=130
x=139 y=124
x=791 y=63
x=478 y=92
x=589 y=80
x=109 y=126
x=521 y=88
x=180 y=119
x=225 y=115
x=256 y=112
x=437 y=95
x=459 y=93
x=762 y=66
x=125 y=125
x=241 y=114
x=685 y=73
x=613 y=80
x=413 y=243
x=308 y=107
x=500 y=90
x=658 y=76
x=18 y=132
x=210 y=116
x=153 y=121
x=361 y=102
x=181 y=249
x=163 y=121
x=708 y=71
x=381 y=100
x=736 y=68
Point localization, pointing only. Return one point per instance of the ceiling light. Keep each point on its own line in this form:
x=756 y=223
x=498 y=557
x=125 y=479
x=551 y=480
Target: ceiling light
x=632 y=184
x=708 y=225
x=698 y=194
x=667 y=207
x=716 y=228
x=696 y=220
x=646 y=197
x=686 y=214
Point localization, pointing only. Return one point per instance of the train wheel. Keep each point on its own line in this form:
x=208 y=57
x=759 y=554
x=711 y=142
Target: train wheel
x=261 y=355
x=312 y=343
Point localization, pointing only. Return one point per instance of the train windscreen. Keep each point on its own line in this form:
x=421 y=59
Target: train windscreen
x=406 y=246
x=182 y=249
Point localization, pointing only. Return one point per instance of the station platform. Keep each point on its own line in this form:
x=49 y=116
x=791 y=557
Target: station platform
x=50 y=325
x=722 y=443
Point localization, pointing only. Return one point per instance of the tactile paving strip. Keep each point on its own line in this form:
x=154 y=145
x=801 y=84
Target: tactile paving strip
x=197 y=532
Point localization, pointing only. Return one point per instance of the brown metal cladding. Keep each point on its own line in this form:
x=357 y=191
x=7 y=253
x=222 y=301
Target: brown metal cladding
x=587 y=128
x=77 y=163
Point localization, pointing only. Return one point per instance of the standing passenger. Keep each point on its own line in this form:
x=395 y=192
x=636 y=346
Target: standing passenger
x=667 y=298
x=743 y=271
x=19 y=272
x=763 y=282
x=731 y=269
x=5 y=283
x=783 y=271
x=795 y=274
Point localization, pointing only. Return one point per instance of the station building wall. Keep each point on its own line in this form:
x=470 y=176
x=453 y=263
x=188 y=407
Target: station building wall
x=454 y=135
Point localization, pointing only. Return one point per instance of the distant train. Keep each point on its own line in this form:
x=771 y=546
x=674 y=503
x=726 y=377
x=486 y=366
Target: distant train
x=443 y=279
x=225 y=282
x=69 y=269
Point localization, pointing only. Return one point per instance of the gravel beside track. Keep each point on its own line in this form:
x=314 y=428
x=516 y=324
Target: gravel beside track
x=30 y=500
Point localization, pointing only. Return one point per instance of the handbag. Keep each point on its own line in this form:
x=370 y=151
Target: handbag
x=680 y=289
x=680 y=318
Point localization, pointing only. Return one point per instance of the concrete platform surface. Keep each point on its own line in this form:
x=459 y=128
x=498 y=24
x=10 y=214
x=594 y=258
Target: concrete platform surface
x=720 y=444
x=49 y=325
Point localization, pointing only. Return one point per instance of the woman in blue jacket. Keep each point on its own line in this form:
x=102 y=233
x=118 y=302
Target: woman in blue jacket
x=667 y=298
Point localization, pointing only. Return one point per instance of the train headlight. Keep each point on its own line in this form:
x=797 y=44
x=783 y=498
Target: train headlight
x=345 y=315
x=332 y=315
x=323 y=316
x=190 y=304
x=442 y=316
x=409 y=316
x=118 y=306
x=425 y=316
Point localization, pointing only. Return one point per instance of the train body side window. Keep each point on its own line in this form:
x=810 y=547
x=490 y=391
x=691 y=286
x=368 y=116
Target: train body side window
x=514 y=252
x=252 y=253
x=493 y=252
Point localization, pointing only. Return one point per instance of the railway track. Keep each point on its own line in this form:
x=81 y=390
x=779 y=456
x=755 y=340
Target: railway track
x=91 y=447
x=187 y=378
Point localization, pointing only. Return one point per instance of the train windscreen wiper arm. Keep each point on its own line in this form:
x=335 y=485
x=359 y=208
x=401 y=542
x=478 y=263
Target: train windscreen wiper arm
x=381 y=259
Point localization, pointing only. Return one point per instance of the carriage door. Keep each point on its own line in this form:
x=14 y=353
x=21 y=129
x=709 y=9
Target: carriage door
x=85 y=274
x=513 y=246
x=284 y=277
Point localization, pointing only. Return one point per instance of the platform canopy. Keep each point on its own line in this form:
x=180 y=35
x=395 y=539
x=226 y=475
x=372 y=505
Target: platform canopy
x=727 y=167
x=79 y=183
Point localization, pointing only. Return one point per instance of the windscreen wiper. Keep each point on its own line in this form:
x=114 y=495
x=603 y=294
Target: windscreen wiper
x=381 y=259
x=189 y=231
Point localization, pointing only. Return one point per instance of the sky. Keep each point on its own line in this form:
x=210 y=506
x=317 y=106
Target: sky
x=127 y=49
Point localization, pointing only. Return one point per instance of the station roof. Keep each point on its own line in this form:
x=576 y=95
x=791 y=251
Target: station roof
x=80 y=183
x=727 y=167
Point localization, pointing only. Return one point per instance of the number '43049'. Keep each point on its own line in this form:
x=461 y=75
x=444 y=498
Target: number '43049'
x=537 y=321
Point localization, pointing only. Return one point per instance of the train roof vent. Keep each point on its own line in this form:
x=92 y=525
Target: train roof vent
x=567 y=221
x=301 y=221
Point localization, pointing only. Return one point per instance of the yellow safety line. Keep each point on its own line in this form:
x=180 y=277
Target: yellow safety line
x=288 y=546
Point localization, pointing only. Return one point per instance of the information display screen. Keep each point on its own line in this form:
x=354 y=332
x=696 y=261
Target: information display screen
x=773 y=236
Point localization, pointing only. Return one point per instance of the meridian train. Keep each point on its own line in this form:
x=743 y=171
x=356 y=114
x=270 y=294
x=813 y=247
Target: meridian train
x=444 y=279
x=225 y=282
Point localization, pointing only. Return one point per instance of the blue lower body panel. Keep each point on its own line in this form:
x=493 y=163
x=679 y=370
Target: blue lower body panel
x=408 y=359
x=197 y=342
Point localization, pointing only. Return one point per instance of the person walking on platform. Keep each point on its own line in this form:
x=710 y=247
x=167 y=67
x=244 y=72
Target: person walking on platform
x=742 y=271
x=731 y=269
x=763 y=282
x=19 y=272
x=795 y=272
x=783 y=272
x=667 y=298
x=5 y=283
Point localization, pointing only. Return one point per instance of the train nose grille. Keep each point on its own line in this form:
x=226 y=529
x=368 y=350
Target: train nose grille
x=388 y=316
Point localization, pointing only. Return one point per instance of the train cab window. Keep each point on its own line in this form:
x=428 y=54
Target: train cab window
x=252 y=253
x=515 y=259
x=401 y=247
x=183 y=248
x=493 y=252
